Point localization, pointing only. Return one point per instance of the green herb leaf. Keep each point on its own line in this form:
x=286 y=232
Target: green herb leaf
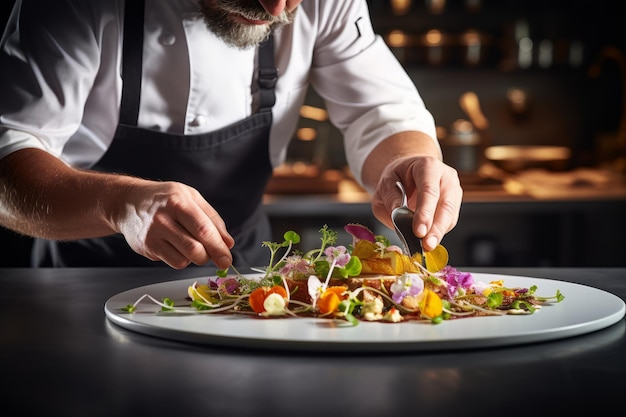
x=292 y=237
x=494 y=300
x=523 y=305
x=168 y=302
x=354 y=266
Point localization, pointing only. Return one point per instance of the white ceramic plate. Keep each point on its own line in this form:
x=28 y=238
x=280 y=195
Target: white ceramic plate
x=585 y=309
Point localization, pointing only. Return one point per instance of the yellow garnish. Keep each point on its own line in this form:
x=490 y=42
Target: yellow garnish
x=436 y=259
x=431 y=305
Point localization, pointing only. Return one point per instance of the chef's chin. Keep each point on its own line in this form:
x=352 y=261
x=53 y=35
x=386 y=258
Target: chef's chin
x=228 y=26
x=239 y=35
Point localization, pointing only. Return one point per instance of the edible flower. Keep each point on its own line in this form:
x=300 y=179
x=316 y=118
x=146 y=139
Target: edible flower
x=457 y=281
x=315 y=287
x=359 y=232
x=337 y=255
x=437 y=294
x=295 y=266
x=407 y=284
x=274 y=305
x=259 y=296
x=482 y=288
x=431 y=305
x=330 y=299
x=227 y=285
x=199 y=291
x=326 y=299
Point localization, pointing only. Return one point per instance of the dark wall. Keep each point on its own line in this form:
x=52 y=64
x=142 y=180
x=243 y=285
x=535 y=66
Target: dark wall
x=15 y=249
x=5 y=10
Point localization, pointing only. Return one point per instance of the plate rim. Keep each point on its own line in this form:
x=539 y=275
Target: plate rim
x=152 y=327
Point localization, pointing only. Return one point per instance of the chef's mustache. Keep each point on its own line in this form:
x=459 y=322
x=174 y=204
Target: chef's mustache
x=250 y=9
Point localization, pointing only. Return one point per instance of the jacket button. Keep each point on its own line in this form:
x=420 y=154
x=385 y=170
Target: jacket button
x=167 y=39
x=198 y=121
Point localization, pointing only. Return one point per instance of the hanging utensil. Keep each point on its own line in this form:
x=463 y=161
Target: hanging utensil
x=402 y=218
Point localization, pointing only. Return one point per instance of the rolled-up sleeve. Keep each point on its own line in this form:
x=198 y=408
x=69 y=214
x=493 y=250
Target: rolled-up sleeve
x=48 y=69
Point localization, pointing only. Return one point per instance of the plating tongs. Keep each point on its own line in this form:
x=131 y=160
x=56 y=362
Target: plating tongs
x=402 y=218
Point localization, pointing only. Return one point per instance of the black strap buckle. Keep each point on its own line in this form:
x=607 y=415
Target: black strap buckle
x=268 y=77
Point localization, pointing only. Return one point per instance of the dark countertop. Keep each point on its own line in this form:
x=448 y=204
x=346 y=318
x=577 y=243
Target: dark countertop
x=61 y=356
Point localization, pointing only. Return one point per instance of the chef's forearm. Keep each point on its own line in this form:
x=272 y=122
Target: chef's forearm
x=402 y=144
x=43 y=197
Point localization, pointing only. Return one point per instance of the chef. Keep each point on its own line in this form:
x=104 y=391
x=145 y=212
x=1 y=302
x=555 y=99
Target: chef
x=143 y=132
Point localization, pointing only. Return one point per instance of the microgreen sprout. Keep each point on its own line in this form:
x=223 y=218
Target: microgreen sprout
x=290 y=238
x=320 y=283
x=329 y=237
x=168 y=304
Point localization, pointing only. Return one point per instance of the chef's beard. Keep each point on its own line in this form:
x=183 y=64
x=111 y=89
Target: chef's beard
x=218 y=16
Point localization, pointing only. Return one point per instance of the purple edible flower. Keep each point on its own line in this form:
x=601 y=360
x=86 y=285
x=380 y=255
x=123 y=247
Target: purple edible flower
x=227 y=285
x=295 y=265
x=456 y=279
x=338 y=254
x=406 y=284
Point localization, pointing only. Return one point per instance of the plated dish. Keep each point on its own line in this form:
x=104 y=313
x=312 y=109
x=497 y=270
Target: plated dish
x=585 y=309
x=368 y=295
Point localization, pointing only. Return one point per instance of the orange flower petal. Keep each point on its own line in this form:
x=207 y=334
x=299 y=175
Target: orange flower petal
x=258 y=296
x=431 y=305
x=338 y=290
x=256 y=299
x=328 y=302
x=277 y=289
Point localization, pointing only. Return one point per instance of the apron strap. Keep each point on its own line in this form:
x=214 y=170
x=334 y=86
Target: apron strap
x=268 y=74
x=132 y=61
x=132 y=66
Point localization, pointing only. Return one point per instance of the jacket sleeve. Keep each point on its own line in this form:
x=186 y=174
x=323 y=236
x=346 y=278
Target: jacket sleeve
x=367 y=92
x=50 y=57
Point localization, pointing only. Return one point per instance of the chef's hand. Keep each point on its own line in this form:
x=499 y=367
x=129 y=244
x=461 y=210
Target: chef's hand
x=433 y=192
x=164 y=221
x=172 y=222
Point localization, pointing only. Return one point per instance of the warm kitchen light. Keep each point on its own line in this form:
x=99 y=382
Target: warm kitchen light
x=433 y=37
x=400 y=7
x=436 y=6
x=397 y=39
x=471 y=39
x=518 y=100
x=306 y=134
x=314 y=113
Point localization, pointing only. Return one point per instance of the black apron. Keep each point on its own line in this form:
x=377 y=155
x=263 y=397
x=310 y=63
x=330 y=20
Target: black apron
x=230 y=167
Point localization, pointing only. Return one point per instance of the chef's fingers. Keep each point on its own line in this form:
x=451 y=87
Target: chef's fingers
x=167 y=252
x=437 y=195
x=208 y=229
x=433 y=190
x=168 y=241
x=175 y=245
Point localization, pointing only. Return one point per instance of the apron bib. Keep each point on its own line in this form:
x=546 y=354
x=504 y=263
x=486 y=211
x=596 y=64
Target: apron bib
x=230 y=167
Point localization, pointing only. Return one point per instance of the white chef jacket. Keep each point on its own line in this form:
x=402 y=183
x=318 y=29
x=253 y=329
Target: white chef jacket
x=60 y=77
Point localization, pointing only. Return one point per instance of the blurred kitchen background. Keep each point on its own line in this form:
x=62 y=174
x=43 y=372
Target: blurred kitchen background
x=529 y=100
